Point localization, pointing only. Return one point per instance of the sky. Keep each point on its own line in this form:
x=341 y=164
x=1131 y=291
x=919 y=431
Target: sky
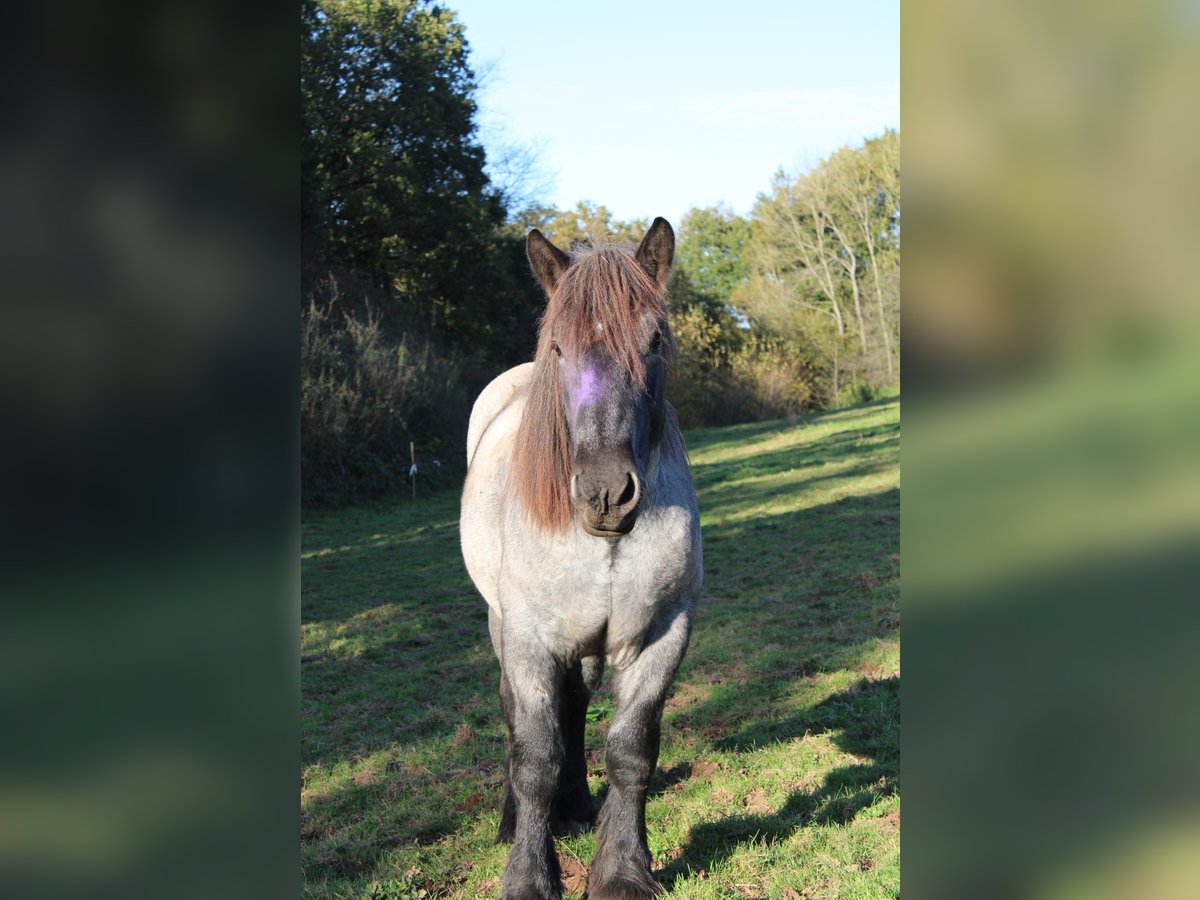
x=652 y=108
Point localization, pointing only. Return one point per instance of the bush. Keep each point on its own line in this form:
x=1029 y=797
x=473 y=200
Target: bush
x=717 y=380
x=698 y=380
x=363 y=398
x=772 y=382
x=859 y=392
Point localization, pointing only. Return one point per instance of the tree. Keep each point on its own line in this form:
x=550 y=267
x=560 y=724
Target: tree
x=825 y=244
x=392 y=174
x=414 y=293
x=711 y=250
x=867 y=188
x=585 y=223
x=792 y=245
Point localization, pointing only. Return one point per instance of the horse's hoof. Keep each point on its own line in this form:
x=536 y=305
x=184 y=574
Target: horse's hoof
x=529 y=892
x=626 y=886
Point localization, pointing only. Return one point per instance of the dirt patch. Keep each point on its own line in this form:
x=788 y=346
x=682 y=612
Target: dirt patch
x=756 y=802
x=471 y=803
x=574 y=874
x=865 y=581
x=871 y=670
x=806 y=782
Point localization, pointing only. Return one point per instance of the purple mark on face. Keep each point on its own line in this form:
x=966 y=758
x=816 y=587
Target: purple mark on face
x=591 y=388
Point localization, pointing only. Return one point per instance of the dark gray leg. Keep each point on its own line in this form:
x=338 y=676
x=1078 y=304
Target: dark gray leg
x=573 y=807
x=508 y=811
x=533 y=685
x=621 y=868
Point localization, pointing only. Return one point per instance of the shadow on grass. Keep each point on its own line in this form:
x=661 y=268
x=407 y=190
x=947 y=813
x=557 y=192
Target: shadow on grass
x=832 y=448
x=400 y=720
x=831 y=451
x=740 y=485
x=865 y=721
x=368 y=828
x=400 y=661
x=748 y=432
x=746 y=498
x=818 y=584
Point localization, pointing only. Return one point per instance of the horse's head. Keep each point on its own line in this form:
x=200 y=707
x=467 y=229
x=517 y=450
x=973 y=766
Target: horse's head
x=605 y=333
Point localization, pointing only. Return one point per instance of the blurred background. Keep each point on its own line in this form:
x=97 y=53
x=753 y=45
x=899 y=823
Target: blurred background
x=148 y=238
x=1052 y=453
x=153 y=238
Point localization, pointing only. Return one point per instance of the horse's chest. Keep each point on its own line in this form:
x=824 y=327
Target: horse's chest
x=590 y=596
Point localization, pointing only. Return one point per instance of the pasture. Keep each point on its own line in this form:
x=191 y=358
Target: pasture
x=779 y=770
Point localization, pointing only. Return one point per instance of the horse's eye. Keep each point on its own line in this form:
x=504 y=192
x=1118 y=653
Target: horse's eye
x=554 y=346
x=656 y=342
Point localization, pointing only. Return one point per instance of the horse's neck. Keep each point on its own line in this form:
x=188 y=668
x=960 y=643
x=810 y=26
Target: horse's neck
x=652 y=465
x=667 y=453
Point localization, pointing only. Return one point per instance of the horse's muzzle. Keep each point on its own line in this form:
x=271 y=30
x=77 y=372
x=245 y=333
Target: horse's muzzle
x=607 y=500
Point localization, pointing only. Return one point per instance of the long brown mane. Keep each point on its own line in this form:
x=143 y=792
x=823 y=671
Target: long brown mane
x=604 y=285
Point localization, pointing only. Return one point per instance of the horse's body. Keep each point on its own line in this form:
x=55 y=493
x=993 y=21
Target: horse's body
x=594 y=559
x=587 y=596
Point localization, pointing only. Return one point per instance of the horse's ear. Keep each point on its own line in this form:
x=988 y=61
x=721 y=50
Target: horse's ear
x=546 y=260
x=657 y=251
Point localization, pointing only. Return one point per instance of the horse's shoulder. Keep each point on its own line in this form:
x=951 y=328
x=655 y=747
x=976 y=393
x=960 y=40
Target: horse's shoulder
x=492 y=400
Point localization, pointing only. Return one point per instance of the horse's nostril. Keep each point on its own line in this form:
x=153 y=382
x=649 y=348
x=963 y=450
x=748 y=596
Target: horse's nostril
x=606 y=492
x=629 y=492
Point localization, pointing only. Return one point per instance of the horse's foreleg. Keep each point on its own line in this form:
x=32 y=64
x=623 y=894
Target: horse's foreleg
x=533 y=686
x=621 y=867
x=573 y=808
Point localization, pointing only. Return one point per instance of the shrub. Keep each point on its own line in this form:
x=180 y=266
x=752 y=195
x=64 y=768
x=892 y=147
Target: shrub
x=859 y=392
x=363 y=398
x=773 y=383
x=717 y=381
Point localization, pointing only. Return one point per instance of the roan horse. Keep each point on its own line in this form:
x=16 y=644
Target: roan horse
x=580 y=528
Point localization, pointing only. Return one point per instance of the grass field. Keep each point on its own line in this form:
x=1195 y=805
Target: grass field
x=779 y=771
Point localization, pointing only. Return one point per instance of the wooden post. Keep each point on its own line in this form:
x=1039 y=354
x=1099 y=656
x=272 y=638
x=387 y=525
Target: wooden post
x=412 y=455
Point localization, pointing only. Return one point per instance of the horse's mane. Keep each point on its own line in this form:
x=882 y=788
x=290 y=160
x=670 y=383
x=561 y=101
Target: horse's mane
x=603 y=285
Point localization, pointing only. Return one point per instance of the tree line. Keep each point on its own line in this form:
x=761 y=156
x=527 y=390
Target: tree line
x=416 y=291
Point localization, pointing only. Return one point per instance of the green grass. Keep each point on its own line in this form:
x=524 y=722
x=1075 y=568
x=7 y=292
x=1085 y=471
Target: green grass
x=779 y=771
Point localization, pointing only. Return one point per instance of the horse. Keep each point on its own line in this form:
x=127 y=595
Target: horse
x=580 y=528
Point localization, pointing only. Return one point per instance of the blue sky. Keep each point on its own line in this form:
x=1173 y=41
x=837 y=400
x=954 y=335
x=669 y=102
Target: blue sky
x=651 y=108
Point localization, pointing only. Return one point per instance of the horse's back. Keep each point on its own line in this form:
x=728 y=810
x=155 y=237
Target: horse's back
x=494 y=420
x=492 y=401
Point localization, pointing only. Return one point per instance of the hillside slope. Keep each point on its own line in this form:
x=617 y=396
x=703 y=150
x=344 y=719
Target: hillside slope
x=779 y=772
